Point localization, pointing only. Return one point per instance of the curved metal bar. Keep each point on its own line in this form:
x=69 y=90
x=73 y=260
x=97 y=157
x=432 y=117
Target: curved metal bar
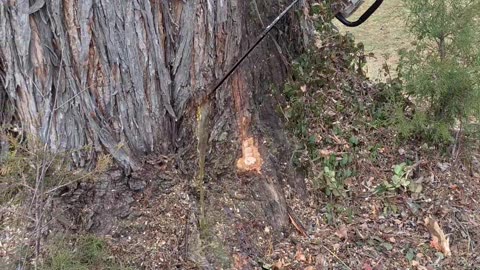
x=362 y=18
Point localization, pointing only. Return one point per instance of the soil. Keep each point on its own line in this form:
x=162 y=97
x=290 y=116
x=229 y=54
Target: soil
x=361 y=230
x=152 y=219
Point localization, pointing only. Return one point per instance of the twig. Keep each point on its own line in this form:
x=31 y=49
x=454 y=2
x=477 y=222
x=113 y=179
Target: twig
x=456 y=145
x=69 y=183
x=336 y=257
x=413 y=167
x=37 y=199
x=72 y=98
x=17 y=213
x=296 y=222
x=470 y=247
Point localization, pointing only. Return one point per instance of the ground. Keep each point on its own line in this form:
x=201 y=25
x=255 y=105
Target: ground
x=362 y=229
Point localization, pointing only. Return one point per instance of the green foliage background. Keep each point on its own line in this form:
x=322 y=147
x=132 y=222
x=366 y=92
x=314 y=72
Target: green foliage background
x=441 y=73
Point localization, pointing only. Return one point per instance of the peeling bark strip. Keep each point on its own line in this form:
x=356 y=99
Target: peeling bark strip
x=121 y=72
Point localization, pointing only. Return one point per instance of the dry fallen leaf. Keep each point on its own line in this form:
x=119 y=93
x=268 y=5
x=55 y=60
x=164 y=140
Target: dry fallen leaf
x=240 y=261
x=418 y=266
x=342 y=233
x=439 y=241
x=279 y=265
x=325 y=152
x=299 y=256
x=366 y=266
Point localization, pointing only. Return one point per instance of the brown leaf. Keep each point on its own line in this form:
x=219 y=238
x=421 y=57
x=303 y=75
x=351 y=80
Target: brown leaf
x=279 y=265
x=325 y=152
x=299 y=256
x=342 y=233
x=418 y=266
x=439 y=241
x=366 y=266
x=240 y=262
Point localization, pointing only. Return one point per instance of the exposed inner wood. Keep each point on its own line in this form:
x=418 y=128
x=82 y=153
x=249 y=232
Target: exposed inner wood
x=251 y=159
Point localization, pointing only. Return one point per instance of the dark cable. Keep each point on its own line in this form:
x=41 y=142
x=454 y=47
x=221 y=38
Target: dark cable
x=246 y=54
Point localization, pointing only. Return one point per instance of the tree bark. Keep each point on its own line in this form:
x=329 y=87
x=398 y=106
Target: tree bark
x=124 y=78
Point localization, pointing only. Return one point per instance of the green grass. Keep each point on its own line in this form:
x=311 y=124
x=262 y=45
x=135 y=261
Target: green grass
x=83 y=253
x=383 y=34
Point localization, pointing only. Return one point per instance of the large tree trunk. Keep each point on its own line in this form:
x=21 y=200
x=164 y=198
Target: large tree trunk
x=125 y=77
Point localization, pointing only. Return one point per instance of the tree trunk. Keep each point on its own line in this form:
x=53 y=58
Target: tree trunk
x=124 y=78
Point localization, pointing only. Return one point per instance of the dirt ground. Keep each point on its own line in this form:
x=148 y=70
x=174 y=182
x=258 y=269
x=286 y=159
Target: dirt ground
x=364 y=229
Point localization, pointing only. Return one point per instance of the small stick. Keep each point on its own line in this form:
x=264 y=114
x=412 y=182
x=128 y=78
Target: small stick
x=336 y=257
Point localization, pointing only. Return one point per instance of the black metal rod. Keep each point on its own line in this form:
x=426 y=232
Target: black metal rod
x=247 y=53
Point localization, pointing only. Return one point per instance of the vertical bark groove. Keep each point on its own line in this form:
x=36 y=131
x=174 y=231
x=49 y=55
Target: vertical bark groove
x=118 y=75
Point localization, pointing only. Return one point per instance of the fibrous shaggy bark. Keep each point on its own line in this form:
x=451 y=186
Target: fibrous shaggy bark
x=122 y=77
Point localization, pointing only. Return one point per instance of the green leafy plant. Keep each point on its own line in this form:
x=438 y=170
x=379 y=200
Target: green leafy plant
x=331 y=67
x=440 y=74
x=398 y=181
x=333 y=187
x=335 y=213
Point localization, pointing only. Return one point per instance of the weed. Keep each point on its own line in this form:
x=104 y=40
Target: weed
x=85 y=252
x=335 y=212
x=322 y=91
x=29 y=175
x=21 y=164
x=333 y=187
x=389 y=209
x=374 y=151
x=399 y=180
x=354 y=142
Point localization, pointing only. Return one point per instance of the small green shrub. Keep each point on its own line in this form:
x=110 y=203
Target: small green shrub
x=398 y=181
x=333 y=186
x=440 y=74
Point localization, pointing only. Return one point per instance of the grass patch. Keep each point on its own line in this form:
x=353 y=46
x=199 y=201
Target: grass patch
x=21 y=166
x=83 y=253
x=382 y=35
